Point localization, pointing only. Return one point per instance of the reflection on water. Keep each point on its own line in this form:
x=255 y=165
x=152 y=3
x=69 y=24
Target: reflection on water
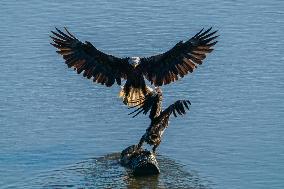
x=106 y=172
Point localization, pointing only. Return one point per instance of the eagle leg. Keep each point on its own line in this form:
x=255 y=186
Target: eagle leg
x=141 y=142
x=156 y=146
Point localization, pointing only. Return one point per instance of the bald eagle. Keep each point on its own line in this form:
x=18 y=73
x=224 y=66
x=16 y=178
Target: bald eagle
x=160 y=69
x=159 y=119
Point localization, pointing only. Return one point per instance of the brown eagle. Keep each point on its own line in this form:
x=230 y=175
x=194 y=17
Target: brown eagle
x=160 y=69
x=159 y=118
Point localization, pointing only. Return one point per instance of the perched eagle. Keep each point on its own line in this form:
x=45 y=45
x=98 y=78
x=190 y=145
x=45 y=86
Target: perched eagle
x=159 y=69
x=159 y=118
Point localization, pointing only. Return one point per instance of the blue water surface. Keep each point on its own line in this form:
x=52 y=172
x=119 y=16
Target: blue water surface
x=52 y=120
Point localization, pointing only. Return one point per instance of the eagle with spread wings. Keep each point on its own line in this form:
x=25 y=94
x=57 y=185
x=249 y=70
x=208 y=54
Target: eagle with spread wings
x=159 y=70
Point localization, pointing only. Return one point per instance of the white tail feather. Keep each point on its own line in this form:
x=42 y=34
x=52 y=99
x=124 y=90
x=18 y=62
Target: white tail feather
x=134 y=97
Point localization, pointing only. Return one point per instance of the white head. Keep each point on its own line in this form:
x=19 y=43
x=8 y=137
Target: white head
x=158 y=90
x=134 y=61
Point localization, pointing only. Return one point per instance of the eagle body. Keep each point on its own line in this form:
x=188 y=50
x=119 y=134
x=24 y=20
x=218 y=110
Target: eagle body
x=160 y=69
x=159 y=118
x=154 y=132
x=135 y=87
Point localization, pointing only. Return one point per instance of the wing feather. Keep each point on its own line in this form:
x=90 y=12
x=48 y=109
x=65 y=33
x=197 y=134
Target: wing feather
x=179 y=107
x=152 y=102
x=84 y=57
x=180 y=60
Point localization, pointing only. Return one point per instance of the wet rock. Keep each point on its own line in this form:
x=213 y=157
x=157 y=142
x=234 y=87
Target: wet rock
x=140 y=161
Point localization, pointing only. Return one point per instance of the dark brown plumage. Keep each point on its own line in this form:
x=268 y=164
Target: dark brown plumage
x=183 y=58
x=159 y=118
x=160 y=69
x=104 y=68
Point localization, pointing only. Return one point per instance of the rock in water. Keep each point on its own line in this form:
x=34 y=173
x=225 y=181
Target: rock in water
x=140 y=161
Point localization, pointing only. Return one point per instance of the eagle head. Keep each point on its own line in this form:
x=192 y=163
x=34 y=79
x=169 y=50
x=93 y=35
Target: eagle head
x=134 y=61
x=158 y=90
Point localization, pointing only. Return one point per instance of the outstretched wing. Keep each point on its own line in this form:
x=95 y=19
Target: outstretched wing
x=177 y=62
x=104 y=68
x=152 y=101
x=179 y=107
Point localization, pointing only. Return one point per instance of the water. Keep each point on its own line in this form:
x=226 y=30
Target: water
x=59 y=130
x=106 y=172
